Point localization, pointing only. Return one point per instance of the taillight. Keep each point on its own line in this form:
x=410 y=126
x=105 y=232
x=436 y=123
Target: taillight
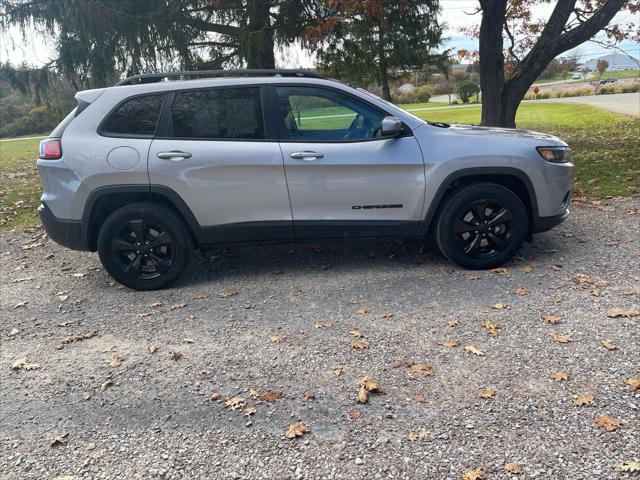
x=50 y=149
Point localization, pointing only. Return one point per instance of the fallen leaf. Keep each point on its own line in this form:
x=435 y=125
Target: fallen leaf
x=513 y=468
x=449 y=343
x=105 y=385
x=499 y=270
x=476 y=474
x=608 y=423
x=362 y=311
x=271 y=397
x=418 y=398
x=414 y=437
x=247 y=412
x=552 y=319
x=321 y=326
x=176 y=306
x=77 y=338
x=363 y=395
x=487 y=393
x=354 y=414
x=522 y=291
x=356 y=333
x=367 y=386
x=490 y=327
x=296 y=430
x=474 y=350
x=152 y=349
x=499 y=306
x=582 y=400
x=215 y=396
x=275 y=338
x=527 y=268
x=387 y=315
x=560 y=376
x=154 y=305
x=144 y=315
x=453 y=323
x=235 y=403
x=561 y=338
x=421 y=368
x=337 y=371
x=201 y=296
x=227 y=294
x=618 y=312
x=175 y=355
x=634 y=384
x=609 y=345
x=59 y=439
x=115 y=362
x=253 y=393
x=306 y=396
x=592 y=384
x=23 y=364
x=358 y=345
x=629 y=467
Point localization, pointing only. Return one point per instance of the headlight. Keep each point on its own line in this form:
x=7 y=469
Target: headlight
x=555 y=154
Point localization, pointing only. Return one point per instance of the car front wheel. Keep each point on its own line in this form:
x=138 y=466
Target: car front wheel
x=481 y=226
x=144 y=246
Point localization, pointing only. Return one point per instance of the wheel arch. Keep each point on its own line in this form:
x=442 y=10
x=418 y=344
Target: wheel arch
x=512 y=178
x=105 y=200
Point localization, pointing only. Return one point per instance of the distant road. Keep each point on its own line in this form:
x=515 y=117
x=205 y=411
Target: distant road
x=625 y=103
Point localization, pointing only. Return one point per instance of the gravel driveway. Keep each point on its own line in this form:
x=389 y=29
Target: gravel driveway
x=270 y=330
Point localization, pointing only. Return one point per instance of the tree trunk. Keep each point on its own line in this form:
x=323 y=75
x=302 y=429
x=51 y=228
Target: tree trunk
x=257 y=45
x=492 y=62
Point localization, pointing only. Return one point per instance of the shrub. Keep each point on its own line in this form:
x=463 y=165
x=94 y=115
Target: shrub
x=417 y=95
x=465 y=88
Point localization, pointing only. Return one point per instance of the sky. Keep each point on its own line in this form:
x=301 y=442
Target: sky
x=456 y=14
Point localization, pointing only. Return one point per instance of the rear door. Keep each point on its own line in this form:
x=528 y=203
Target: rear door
x=214 y=151
x=344 y=178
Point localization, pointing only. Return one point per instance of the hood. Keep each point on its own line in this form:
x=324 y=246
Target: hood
x=503 y=132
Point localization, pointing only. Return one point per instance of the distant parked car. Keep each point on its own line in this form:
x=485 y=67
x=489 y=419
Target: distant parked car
x=577 y=76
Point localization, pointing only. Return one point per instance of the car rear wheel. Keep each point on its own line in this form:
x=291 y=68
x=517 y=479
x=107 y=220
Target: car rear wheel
x=481 y=226
x=144 y=246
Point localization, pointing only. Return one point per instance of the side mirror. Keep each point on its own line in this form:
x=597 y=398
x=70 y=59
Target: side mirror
x=391 y=126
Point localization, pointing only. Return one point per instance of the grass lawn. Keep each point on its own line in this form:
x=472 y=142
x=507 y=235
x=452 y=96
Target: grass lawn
x=606 y=150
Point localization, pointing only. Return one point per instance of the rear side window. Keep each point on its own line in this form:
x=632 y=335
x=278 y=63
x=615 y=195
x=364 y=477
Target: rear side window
x=137 y=116
x=57 y=132
x=231 y=113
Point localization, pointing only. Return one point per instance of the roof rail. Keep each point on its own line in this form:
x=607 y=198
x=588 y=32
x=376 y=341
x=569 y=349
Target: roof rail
x=162 y=76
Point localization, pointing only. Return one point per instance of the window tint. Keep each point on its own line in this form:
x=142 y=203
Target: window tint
x=316 y=114
x=138 y=116
x=220 y=113
x=59 y=130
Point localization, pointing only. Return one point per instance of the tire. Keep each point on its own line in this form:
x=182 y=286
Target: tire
x=484 y=244
x=144 y=246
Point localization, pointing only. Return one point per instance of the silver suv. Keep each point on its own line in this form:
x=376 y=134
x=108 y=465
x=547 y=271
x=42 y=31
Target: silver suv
x=147 y=170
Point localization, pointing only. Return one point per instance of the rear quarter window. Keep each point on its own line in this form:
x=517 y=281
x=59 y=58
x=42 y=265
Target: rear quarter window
x=136 y=117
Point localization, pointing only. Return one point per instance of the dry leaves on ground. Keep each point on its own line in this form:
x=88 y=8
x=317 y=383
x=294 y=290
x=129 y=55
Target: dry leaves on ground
x=475 y=474
x=23 y=363
x=513 y=468
x=296 y=430
x=551 y=319
x=620 y=313
x=453 y=322
x=414 y=437
x=275 y=338
x=608 y=423
x=474 y=350
x=367 y=386
x=215 y=396
x=421 y=368
x=628 y=467
x=227 y=294
x=356 y=333
x=499 y=306
x=561 y=338
x=271 y=397
x=387 y=315
x=362 y=311
x=306 y=396
x=236 y=403
x=499 y=270
x=59 y=439
x=321 y=326
x=560 y=376
x=583 y=399
x=634 y=384
x=449 y=343
x=175 y=355
x=76 y=338
x=177 y=306
x=418 y=398
x=609 y=345
x=337 y=371
x=359 y=345
x=115 y=362
x=522 y=291
x=490 y=327
x=152 y=349
x=487 y=393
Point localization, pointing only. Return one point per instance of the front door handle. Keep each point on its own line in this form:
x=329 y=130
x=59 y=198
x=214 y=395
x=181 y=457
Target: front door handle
x=307 y=155
x=175 y=155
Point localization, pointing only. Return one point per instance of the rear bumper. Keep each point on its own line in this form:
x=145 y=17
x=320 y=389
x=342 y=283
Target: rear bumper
x=542 y=224
x=68 y=233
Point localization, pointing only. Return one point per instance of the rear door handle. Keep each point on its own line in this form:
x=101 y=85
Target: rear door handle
x=175 y=155
x=307 y=155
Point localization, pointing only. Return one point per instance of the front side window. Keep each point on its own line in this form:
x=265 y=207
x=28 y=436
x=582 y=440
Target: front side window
x=232 y=113
x=320 y=115
x=137 y=116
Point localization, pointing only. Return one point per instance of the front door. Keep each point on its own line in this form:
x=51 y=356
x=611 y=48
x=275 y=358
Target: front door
x=214 y=151
x=344 y=178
